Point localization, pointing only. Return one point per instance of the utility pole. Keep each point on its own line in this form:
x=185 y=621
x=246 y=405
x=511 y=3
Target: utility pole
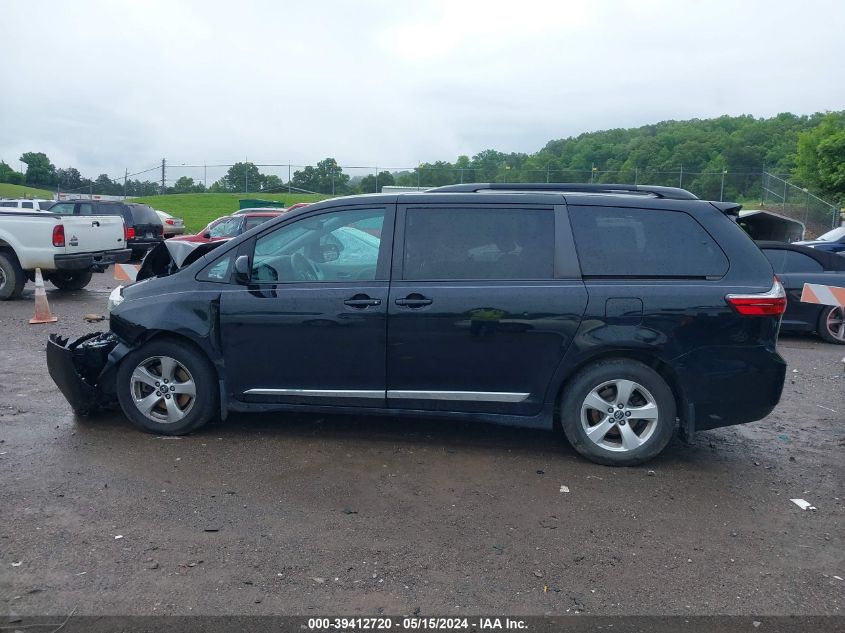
x=125 y=178
x=288 y=176
x=163 y=176
x=90 y=189
x=246 y=176
x=548 y=168
x=376 y=178
x=636 y=175
x=722 y=190
x=204 y=175
x=681 y=178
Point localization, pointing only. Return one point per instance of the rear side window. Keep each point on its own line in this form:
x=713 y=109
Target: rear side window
x=620 y=242
x=142 y=214
x=63 y=208
x=251 y=223
x=26 y=205
x=784 y=261
x=496 y=244
x=109 y=209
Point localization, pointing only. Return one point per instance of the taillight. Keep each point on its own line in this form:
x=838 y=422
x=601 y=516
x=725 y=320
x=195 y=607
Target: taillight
x=59 y=235
x=771 y=303
x=161 y=231
x=170 y=222
x=129 y=233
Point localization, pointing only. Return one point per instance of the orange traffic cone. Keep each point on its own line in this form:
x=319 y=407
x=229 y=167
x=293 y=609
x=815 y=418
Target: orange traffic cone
x=42 y=308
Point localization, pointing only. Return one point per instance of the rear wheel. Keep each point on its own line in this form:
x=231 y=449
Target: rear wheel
x=832 y=325
x=167 y=387
x=70 y=281
x=618 y=413
x=12 y=278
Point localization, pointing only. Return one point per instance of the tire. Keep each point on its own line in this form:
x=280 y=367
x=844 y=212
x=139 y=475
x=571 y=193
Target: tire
x=143 y=368
x=831 y=325
x=71 y=281
x=12 y=277
x=619 y=438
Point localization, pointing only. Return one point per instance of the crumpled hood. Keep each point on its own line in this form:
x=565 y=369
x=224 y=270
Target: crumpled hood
x=170 y=256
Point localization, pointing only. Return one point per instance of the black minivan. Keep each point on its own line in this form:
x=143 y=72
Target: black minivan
x=143 y=229
x=619 y=313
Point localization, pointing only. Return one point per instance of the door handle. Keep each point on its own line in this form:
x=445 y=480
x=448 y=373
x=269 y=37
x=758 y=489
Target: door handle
x=414 y=300
x=362 y=301
x=95 y=223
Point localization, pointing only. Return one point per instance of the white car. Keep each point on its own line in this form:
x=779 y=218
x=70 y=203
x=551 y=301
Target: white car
x=31 y=204
x=172 y=225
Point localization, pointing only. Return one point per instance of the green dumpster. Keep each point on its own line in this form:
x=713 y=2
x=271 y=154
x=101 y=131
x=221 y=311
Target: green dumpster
x=249 y=203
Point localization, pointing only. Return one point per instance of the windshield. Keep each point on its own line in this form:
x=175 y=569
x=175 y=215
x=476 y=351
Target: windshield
x=833 y=236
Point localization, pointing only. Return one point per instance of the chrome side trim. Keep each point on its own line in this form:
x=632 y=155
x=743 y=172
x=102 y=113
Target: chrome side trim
x=320 y=393
x=472 y=396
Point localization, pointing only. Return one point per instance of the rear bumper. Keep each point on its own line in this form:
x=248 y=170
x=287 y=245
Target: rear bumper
x=91 y=261
x=83 y=370
x=731 y=385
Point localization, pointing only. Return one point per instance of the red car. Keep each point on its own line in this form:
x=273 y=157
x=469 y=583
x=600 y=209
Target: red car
x=230 y=226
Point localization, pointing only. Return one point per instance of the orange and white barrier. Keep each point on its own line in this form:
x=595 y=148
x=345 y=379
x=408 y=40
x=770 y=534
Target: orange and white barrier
x=42 y=308
x=824 y=295
x=126 y=272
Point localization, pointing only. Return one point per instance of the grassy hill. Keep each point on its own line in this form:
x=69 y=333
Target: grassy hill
x=198 y=209
x=20 y=191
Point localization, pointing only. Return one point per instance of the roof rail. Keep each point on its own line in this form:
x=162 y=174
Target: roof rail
x=671 y=193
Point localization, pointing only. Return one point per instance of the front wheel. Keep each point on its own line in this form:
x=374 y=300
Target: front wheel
x=167 y=387
x=71 y=281
x=832 y=325
x=618 y=413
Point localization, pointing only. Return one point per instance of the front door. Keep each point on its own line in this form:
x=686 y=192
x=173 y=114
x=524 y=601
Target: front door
x=482 y=307
x=310 y=326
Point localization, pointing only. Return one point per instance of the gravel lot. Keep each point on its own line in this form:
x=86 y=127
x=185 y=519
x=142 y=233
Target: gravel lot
x=316 y=514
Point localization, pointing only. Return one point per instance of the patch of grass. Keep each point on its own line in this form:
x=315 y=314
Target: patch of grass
x=20 y=191
x=198 y=209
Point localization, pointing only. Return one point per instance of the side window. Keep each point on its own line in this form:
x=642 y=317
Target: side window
x=9 y=204
x=218 y=271
x=338 y=246
x=26 y=205
x=225 y=228
x=251 y=223
x=479 y=244
x=622 y=242
x=63 y=208
x=86 y=209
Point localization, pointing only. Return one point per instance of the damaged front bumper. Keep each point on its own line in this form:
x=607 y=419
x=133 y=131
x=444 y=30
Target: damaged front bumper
x=84 y=370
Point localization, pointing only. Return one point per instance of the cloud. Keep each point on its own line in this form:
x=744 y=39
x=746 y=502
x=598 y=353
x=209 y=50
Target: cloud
x=105 y=86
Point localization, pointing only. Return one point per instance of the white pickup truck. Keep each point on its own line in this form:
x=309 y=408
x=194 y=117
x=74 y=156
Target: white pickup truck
x=67 y=248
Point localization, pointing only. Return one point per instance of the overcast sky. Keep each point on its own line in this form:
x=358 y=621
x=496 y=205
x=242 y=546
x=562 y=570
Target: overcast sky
x=110 y=85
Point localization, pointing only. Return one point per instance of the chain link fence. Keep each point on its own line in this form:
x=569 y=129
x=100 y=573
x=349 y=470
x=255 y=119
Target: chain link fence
x=787 y=199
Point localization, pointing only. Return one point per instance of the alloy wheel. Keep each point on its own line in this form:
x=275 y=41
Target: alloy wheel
x=619 y=415
x=163 y=389
x=836 y=324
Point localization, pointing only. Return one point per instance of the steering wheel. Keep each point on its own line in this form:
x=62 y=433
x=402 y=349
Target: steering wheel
x=303 y=269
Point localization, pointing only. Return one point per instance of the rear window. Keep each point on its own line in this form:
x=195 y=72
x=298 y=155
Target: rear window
x=784 y=261
x=622 y=242
x=142 y=214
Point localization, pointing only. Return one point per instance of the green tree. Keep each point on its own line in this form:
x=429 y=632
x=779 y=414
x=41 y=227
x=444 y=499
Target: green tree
x=325 y=177
x=820 y=160
x=241 y=178
x=69 y=178
x=183 y=185
x=39 y=169
x=371 y=184
x=7 y=174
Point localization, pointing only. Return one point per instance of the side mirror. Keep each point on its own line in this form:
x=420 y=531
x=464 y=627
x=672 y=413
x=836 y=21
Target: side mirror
x=207 y=235
x=242 y=269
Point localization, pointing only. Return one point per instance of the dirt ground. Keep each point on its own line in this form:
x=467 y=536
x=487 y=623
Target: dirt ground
x=287 y=514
